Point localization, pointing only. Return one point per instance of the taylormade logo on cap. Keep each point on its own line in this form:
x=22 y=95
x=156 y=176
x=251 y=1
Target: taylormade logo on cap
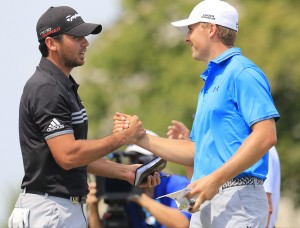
x=71 y=18
x=211 y=11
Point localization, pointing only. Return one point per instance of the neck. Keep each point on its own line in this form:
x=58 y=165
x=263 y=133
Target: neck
x=218 y=50
x=60 y=65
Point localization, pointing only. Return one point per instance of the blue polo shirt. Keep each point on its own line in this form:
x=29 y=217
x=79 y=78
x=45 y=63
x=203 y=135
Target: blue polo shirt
x=236 y=94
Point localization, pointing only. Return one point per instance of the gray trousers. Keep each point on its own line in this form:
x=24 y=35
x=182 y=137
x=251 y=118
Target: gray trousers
x=238 y=207
x=51 y=212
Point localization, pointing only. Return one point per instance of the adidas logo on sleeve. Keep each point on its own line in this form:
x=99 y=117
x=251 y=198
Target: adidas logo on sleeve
x=55 y=125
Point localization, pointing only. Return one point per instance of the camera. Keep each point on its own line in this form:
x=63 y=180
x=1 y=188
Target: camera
x=116 y=193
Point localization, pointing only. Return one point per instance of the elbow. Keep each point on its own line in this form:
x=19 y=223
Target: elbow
x=66 y=162
x=67 y=159
x=272 y=141
x=272 y=136
x=68 y=167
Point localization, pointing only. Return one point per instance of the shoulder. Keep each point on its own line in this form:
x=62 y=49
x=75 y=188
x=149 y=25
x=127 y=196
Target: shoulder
x=41 y=77
x=245 y=71
x=245 y=64
x=41 y=83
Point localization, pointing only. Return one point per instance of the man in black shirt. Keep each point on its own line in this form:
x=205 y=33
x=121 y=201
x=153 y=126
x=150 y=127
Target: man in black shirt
x=53 y=127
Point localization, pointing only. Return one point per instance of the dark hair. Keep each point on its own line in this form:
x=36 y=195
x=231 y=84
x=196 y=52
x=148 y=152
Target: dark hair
x=43 y=47
x=226 y=35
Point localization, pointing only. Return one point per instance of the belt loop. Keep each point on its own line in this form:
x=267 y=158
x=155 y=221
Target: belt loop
x=221 y=190
x=46 y=195
x=24 y=191
x=255 y=181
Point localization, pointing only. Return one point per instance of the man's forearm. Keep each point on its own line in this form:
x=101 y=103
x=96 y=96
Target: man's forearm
x=71 y=153
x=167 y=216
x=253 y=148
x=110 y=169
x=93 y=216
x=178 y=151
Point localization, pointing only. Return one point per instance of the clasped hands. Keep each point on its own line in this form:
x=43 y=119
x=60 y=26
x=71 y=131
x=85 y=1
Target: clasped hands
x=132 y=127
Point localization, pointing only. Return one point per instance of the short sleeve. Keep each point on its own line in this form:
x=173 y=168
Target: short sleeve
x=50 y=110
x=253 y=97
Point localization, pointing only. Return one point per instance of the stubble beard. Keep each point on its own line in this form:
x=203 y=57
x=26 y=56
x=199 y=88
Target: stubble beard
x=72 y=63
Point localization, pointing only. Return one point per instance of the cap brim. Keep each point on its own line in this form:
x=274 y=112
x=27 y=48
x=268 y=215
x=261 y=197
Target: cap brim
x=182 y=25
x=85 y=29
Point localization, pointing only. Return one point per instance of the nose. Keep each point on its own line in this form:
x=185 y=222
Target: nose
x=85 y=42
x=187 y=38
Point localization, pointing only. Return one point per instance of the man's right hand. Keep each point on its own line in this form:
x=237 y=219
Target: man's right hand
x=132 y=126
x=177 y=130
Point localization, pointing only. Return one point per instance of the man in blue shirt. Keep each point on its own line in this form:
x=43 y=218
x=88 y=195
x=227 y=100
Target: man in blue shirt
x=233 y=129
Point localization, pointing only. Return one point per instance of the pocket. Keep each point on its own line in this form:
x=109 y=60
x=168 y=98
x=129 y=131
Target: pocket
x=254 y=202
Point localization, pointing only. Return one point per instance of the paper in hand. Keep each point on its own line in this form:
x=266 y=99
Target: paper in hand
x=183 y=203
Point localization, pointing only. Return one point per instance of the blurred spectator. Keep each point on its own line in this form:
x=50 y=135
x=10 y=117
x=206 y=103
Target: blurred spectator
x=92 y=207
x=272 y=186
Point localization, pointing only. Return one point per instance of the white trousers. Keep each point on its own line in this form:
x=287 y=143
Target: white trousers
x=47 y=212
x=238 y=207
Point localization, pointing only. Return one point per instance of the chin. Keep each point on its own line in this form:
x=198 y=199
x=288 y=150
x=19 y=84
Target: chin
x=195 y=57
x=80 y=63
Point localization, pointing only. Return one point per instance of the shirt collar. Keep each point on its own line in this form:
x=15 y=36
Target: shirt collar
x=47 y=65
x=219 y=59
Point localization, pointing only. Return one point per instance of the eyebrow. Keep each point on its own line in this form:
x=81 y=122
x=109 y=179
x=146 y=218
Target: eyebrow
x=193 y=25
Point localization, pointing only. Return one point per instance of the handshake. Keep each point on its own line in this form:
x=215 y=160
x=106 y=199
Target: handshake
x=129 y=125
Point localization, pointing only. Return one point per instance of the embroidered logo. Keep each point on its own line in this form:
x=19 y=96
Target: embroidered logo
x=208 y=16
x=49 y=31
x=70 y=18
x=216 y=89
x=54 y=125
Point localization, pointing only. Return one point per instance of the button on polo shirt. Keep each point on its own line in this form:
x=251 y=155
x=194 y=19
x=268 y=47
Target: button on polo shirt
x=50 y=107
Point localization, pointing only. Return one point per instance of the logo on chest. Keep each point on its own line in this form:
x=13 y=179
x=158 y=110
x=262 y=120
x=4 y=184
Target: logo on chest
x=216 y=89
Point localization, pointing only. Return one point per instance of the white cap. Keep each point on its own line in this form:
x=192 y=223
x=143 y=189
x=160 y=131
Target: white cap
x=138 y=149
x=211 y=11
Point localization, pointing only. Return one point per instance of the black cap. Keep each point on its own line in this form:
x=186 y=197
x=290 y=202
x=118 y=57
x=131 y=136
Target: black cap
x=64 y=19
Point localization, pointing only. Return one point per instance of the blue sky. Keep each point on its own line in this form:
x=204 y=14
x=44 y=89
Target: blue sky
x=18 y=58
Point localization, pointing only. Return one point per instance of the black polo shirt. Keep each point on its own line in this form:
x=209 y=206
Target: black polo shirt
x=49 y=107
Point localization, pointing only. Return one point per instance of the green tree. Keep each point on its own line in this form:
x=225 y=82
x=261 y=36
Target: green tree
x=142 y=66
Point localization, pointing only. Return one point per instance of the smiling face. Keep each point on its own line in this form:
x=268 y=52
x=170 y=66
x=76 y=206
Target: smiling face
x=198 y=37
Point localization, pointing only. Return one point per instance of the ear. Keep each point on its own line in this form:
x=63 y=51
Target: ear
x=212 y=29
x=51 y=43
